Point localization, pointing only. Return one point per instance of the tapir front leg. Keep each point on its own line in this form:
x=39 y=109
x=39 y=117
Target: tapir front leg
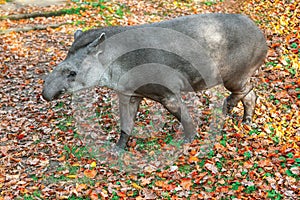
x=128 y=106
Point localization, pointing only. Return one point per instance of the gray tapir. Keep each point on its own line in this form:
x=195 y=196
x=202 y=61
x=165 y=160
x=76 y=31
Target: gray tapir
x=161 y=60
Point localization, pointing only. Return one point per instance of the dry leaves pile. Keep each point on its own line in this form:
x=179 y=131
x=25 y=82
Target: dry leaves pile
x=41 y=155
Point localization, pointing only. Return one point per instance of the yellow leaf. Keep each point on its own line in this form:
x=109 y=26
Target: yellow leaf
x=76 y=165
x=93 y=164
x=71 y=176
x=104 y=193
x=136 y=186
x=69 y=123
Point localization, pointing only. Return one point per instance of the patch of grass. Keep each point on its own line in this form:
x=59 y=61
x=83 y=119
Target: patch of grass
x=35 y=195
x=248 y=155
x=210 y=2
x=250 y=189
x=77 y=198
x=86 y=180
x=185 y=169
x=273 y=194
x=79 y=22
x=235 y=185
x=79 y=152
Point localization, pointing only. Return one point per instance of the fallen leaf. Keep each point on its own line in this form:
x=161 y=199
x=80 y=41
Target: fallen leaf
x=186 y=183
x=90 y=173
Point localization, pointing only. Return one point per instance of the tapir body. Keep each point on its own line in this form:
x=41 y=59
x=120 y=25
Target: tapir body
x=161 y=60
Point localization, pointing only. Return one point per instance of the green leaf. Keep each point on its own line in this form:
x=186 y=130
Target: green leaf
x=273 y=194
x=268 y=174
x=290 y=155
x=223 y=143
x=244 y=173
x=289 y=172
x=247 y=155
x=250 y=189
x=235 y=185
x=294 y=45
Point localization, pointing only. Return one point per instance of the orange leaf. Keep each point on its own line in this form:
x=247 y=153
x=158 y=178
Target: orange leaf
x=223 y=189
x=248 y=164
x=186 y=183
x=200 y=177
x=90 y=173
x=94 y=195
x=160 y=183
x=220 y=147
x=170 y=187
x=193 y=152
x=264 y=163
x=122 y=194
x=193 y=159
x=62 y=158
x=80 y=187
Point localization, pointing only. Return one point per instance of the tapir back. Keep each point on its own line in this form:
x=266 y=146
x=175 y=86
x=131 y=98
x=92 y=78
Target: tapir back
x=229 y=43
x=233 y=42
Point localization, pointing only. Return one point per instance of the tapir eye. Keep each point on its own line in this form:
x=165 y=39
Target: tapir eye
x=72 y=74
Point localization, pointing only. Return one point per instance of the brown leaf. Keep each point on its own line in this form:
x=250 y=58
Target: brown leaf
x=149 y=194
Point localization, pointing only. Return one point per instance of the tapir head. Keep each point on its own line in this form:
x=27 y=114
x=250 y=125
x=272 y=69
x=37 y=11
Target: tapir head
x=81 y=69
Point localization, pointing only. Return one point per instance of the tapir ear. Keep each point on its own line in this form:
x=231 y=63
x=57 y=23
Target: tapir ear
x=77 y=34
x=96 y=46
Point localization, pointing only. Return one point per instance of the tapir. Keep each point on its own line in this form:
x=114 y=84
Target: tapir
x=162 y=60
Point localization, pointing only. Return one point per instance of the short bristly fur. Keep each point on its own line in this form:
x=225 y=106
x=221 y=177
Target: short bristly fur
x=160 y=60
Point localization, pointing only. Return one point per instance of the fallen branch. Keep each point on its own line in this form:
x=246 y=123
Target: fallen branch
x=30 y=28
x=43 y=14
x=33 y=15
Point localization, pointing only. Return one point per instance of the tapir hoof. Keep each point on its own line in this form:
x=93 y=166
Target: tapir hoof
x=122 y=143
x=188 y=139
x=247 y=120
x=227 y=108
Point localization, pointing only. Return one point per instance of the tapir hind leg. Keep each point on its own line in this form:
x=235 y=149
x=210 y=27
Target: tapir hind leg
x=175 y=106
x=249 y=102
x=128 y=106
x=244 y=94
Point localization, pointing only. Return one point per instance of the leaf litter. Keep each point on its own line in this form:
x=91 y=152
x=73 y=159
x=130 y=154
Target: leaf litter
x=42 y=156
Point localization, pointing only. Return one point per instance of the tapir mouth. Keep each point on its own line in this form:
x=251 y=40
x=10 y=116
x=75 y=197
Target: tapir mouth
x=57 y=95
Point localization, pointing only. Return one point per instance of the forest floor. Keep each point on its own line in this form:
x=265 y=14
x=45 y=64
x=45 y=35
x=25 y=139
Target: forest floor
x=45 y=154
